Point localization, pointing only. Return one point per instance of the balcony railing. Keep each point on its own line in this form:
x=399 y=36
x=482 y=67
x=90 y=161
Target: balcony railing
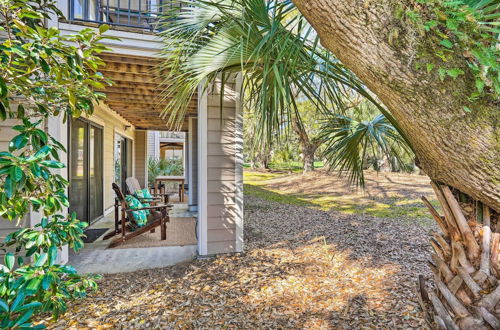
x=172 y=135
x=141 y=14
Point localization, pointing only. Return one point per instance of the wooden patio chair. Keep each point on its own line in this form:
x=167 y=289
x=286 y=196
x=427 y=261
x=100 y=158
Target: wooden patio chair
x=158 y=217
x=133 y=186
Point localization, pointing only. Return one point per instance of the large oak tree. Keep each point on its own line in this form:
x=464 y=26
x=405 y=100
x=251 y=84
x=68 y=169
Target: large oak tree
x=453 y=146
x=456 y=142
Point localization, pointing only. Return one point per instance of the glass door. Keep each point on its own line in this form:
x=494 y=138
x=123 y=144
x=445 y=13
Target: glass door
x=95 y=172
x=123 y=161
x=85 y=170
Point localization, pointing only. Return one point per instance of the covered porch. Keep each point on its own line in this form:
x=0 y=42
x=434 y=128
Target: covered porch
x=206 y=220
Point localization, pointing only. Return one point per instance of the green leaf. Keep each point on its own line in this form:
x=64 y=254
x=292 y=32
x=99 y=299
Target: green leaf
x=9 y=260
x=21 y=112
x=454 y=72
x=4 y=306
x=18 y=301
x=26 y=316
x=479 y=85
x=9 y=187
x=4 y=90
x=16 y=173
x=467 y=109
x=447 y=43
x=71 y=99
x=44 y=65
x=52 y=164
x=42 y=153
x=41 y=260
x=52 y=255
x=441 y=73
x=31 y=305
x=429 y=67
x=3 y=110
x=34 y=284
x=103 y=28
x=18 y=142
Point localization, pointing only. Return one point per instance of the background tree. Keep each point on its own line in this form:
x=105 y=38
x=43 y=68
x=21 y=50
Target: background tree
x=275 y=50
x=435 y=65
x=42 y=74
x=306 y=126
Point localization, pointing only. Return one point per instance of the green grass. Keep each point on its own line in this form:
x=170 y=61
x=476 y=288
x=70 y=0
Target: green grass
x=260 y=185
x=295 y=167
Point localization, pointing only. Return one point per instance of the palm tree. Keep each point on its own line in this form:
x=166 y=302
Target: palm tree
x=349 y=141
x=269 y=43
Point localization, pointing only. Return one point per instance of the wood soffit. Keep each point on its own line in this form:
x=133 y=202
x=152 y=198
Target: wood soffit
x=135 y=93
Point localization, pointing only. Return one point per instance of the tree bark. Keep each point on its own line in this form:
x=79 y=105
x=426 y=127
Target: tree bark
x=465 y=265
x=308 y=145
x=308 y=151
x=457 y=148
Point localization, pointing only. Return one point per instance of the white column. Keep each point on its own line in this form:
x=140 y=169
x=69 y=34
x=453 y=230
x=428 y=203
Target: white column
x=186 y=160
x=59 y=130
x=239 y=167
x=184 y=154
x=202 y=151
x=193 y=163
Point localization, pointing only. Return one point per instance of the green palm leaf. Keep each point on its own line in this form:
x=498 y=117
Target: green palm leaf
x=268 y=42
x=348 y=141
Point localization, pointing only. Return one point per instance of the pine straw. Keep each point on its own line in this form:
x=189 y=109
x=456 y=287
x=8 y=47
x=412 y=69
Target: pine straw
x=303 y=267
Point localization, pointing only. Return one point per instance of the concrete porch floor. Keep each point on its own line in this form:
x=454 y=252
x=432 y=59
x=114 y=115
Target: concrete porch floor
x=97 y=258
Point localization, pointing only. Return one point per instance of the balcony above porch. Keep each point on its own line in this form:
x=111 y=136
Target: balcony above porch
x=135 y=14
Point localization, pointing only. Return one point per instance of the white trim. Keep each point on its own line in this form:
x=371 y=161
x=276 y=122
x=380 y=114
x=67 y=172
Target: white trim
x=202 y=171
x=193 y=180
x=146 y=159
x=108 y=210
x=238 y=164
x=59 y=131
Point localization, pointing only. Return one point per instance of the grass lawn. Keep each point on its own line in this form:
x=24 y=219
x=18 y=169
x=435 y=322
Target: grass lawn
x=386 y=195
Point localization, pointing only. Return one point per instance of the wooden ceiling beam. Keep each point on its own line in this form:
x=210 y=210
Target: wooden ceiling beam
x=136 y=92
x=130 y=59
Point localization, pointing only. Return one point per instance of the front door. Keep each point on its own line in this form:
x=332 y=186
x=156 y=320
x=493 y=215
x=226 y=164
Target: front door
x=86 y=170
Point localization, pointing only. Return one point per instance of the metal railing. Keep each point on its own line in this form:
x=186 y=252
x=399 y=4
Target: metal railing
x=141 y=14
x=172 y=135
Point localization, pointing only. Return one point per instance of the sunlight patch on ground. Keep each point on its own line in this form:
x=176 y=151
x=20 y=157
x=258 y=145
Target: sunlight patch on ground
x=319 y=280
x=381 y=199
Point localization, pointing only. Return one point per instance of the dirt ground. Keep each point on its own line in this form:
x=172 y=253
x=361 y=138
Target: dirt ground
x=306 y=264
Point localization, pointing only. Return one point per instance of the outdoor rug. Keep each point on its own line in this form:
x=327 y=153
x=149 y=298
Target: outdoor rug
x=93 y=234
x=180 y=232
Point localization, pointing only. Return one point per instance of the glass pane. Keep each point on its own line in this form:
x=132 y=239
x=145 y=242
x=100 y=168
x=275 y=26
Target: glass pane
x=95 y=173
x=92 y=10
x=78 y=8
x=118 y=160
x=129 y=158
x=78 y=170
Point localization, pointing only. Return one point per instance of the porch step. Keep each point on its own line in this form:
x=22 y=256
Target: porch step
x=110 y=261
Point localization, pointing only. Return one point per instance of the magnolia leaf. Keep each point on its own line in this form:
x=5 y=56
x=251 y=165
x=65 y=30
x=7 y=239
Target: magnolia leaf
x=9 y=260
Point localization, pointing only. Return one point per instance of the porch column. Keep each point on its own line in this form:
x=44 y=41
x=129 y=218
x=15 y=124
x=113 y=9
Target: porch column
x=58 y=130
x=141 y=157
x=184 y=154
x=192 y=140
x=186 y=160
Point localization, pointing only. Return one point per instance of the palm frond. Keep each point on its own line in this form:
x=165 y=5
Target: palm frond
x=269 y=42
x=348 y=142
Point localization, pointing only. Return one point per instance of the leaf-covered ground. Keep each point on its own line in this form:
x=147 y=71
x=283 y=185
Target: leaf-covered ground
x=303 y=267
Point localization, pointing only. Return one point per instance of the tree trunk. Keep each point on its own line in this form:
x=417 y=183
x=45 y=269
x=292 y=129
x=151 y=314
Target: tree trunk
x=459 y=149
x=308 y=151
x=308 y=146
x=465 y=265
